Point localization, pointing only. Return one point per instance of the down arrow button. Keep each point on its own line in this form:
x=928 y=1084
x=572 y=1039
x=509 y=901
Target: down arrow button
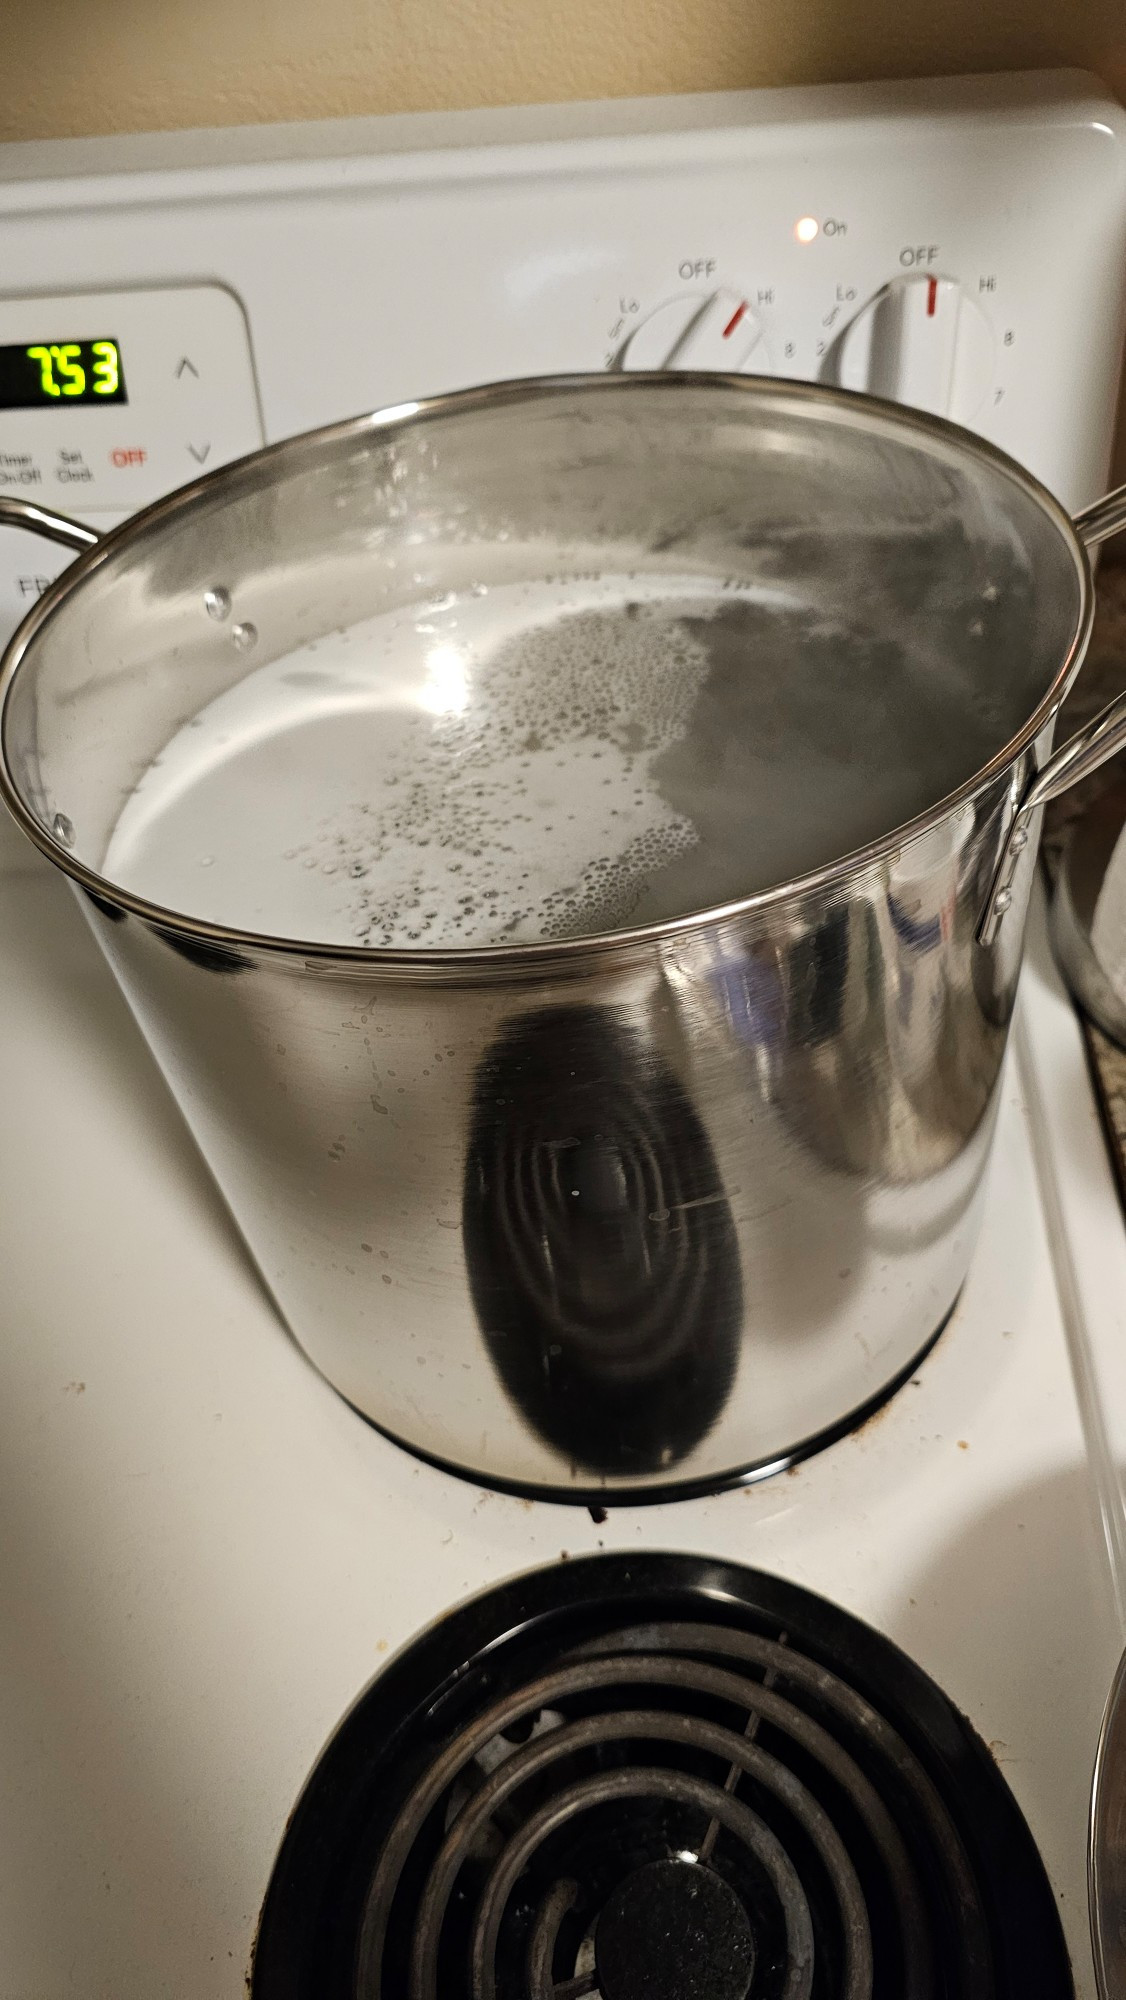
x=199 y=452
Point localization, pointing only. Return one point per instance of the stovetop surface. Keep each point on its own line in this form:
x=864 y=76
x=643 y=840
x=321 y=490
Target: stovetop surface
x=206 y=1556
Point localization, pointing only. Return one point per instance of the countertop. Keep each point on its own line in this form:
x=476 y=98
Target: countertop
x=1102 y=677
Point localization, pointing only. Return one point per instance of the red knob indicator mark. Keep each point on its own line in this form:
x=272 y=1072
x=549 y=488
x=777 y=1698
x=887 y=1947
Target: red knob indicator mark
x=932 y=296
x=735 y=319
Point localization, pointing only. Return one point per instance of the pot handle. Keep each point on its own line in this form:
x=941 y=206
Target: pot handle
x=40 y=521
x=1075 y=759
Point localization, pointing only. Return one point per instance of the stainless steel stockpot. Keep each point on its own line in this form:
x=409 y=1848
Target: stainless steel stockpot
x=639 y=1212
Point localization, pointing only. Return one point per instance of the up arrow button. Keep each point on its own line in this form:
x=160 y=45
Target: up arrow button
x=199 y=452
x=186 y=363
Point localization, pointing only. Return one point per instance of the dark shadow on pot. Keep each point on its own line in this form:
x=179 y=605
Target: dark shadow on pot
x=209 y=957
x=108 y=910
x=600 y=1246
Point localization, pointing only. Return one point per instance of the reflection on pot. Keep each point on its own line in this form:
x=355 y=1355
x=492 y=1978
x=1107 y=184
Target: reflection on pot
x=599 y=1241
x=891 y=1059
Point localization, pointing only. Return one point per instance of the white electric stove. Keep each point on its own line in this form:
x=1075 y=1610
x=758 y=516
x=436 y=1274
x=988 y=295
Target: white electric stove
x=205 y=1555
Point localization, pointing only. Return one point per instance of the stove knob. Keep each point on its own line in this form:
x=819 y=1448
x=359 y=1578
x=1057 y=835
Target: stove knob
x=920 y=341
x=712 y=330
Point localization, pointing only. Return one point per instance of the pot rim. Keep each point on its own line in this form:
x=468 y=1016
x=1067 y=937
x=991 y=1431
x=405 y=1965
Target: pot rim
x=860 y=411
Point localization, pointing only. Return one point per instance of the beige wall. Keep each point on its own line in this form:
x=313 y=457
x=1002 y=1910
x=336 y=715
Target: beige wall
x=84 y=66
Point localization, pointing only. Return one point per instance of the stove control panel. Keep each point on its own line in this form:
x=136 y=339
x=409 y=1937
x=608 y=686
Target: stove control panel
x=707 y=330
x=920 y=340
x=926 y=341
x=108 y=399
x=167 y=303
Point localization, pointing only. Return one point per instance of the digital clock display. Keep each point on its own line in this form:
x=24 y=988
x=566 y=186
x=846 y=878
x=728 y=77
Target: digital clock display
x=50 y=374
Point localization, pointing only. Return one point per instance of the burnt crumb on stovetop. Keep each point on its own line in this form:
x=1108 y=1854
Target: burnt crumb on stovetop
x=598 y=1515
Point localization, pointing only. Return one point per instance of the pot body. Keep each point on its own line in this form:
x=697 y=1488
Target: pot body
x=630 y=1214
x=641 y=1226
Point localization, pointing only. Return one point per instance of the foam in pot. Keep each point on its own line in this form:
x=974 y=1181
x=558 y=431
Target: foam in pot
x=539 y=761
